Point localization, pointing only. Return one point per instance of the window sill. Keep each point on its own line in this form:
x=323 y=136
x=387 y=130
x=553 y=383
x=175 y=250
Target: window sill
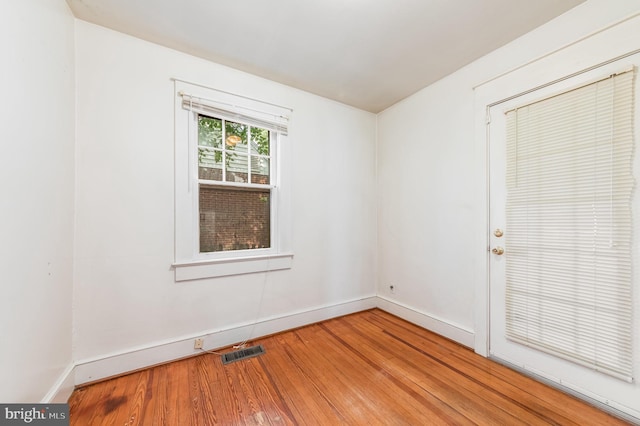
x=187 y=271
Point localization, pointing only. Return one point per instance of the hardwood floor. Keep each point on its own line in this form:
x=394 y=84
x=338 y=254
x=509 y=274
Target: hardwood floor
x=369 y=368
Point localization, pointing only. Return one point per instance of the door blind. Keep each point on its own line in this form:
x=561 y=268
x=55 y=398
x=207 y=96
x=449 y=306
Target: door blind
x=569 y=225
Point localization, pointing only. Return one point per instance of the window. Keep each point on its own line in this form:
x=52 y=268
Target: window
x=234 y=178
x=231 y=186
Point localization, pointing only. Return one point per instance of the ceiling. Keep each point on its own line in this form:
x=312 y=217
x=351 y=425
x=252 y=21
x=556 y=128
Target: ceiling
x=366 y=53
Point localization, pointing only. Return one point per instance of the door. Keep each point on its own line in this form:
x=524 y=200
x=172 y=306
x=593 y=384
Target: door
x=549 y=362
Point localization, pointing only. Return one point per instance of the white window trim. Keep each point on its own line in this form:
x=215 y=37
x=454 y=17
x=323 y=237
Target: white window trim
x=234 y=266
x=189 y=263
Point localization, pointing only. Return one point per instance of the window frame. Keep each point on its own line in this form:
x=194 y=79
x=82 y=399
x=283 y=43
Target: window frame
x=189 y=263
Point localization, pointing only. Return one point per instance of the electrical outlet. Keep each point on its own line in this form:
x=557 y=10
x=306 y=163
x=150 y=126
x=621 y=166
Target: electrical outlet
x=197 y=344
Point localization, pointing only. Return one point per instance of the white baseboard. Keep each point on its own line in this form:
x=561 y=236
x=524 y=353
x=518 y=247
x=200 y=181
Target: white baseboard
x=161 y=352
x=62 y=388
x=114 y=364
x=454 y=332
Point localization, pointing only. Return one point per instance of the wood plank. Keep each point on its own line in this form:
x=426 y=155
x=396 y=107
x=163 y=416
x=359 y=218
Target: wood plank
x=470 y=399
x=500 y=379
x=465 y=387
x=303 y=398
x=367 y=368
x=327 y=365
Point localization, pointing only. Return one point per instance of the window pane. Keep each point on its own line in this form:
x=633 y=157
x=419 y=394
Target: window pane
x=260 y=170
x=235 y=137
x=234 y=219
x=209 y=163
x=237 y=169
x=209 y=132
x=259 y=141
x=209 y=148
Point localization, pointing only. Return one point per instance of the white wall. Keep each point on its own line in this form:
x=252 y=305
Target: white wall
x=427 y=178
x=36 y=182
x=126 y=297
x=432 y=181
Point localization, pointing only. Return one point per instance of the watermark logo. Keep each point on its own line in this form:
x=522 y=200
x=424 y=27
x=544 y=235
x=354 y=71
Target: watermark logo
x=34 y=414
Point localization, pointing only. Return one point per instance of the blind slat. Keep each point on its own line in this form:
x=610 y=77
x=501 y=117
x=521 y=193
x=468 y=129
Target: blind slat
x=568 y=245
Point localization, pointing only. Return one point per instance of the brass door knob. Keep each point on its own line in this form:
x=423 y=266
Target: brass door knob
x=498 y=233
x=498 y=250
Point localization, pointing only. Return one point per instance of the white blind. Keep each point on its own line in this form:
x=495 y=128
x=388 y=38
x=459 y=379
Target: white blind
x=569 y=225
x=267 y=116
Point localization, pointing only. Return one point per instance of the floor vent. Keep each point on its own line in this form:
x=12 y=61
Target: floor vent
x=242 y=354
